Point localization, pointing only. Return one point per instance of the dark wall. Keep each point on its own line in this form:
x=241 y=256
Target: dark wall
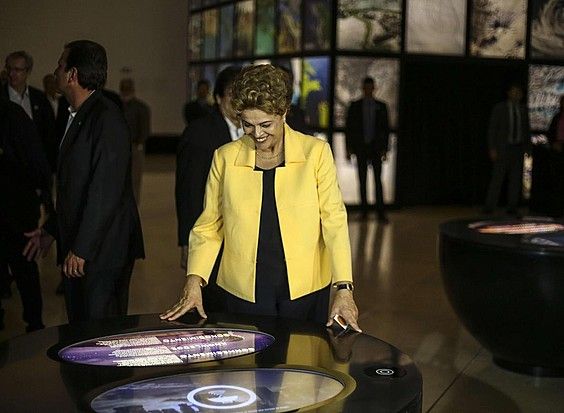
x=442 y=146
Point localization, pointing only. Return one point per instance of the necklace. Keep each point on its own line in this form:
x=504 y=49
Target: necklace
x=267 y=157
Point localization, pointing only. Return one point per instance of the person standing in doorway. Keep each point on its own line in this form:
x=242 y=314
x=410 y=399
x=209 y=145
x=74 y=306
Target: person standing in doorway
x=367 y=137
x=508 y=140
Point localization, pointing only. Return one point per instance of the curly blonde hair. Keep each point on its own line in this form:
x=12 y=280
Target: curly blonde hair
x=263 y=87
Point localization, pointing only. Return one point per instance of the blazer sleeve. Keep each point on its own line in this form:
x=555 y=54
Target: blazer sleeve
x=108 y=175
x=182 y=185
x=333 y=217
x=385 y=127
x=493 y=127
x=207 y=235
x=192 y=169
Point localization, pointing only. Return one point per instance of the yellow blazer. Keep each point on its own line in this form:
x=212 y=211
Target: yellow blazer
x=312 y=216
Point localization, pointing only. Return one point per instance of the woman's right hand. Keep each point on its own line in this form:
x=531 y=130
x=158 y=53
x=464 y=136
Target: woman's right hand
x=192 y=298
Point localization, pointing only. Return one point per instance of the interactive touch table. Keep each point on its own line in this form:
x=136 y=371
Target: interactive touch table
x=505 y=280
x=224 y=364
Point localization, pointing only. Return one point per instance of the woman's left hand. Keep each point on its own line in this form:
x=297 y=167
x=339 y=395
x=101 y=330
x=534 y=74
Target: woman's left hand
x=344 y=305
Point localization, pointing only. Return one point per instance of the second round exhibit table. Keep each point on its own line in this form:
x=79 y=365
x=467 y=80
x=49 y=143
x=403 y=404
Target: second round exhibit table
x=227 y=363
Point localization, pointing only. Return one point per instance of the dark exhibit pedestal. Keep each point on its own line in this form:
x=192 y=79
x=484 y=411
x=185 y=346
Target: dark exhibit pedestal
x=506 y=283
x=226 y=363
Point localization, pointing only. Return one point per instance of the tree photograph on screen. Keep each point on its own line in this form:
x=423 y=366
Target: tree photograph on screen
x=226 y=31
x=348 y=84
x=264 y=42
x=317 y=25
x=546 y=85
x=369 y=25
x=547 y=33
x=195 y=36
x=210 y=33
x=290 y=25
x=436 y=26
x=498 y=28
x=244 y=18
x=315 y=90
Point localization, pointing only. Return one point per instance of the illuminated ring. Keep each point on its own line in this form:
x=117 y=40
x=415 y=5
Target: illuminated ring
x=252 y=397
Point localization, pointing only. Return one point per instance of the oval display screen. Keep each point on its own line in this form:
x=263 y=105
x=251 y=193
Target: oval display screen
x=166 y=347
x=252 y=390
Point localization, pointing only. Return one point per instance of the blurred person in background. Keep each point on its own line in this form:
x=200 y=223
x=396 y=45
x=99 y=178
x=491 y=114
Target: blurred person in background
x=138 y=117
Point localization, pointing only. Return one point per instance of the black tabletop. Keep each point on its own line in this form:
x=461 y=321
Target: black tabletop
x=470 y=230
x=374 y=376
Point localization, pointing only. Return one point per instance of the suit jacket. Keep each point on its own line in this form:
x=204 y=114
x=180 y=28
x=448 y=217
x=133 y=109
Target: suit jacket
x=23 y=170
x=312 y=216
x=194 y=156
x=44 y=121
x=354 y=129
x=96 y=214
x=138 y=117
x=193 y=111
x=500 y=126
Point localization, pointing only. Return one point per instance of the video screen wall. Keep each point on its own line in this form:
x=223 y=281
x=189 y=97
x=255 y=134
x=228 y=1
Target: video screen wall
x=498 y=28
x=331 y=45
x=547 y=31
x=546 y=85
x=436 y=27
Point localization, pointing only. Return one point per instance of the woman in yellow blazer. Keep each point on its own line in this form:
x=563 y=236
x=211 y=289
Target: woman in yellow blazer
x=273 y=200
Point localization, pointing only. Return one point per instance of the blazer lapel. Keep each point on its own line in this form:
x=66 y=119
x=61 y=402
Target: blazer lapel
x=76 y=124
x=246 y=155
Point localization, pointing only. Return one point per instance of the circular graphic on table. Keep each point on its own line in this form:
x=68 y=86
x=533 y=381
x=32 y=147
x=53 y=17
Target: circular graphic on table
x=237 y=391
x=516 y=227
x=166 y=347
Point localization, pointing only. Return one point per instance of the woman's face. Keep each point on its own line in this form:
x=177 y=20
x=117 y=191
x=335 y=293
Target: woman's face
x=267 y=130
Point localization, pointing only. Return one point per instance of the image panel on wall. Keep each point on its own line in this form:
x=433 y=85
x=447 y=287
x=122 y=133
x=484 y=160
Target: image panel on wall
x=194 y=4
x=369 y=25
x=315 y=90
x=350 y=73
x=498 y=28
x=226 y=15
x=244 y=27
x=195 y=37
x=317 y=24
x=546 y=86
x=209 y=73
x=209 y=2
x=347 y=173
x=436 y=27
x=294 y=66
x=290 y=23
x=194 y=75
x=210 y=33
x=547 y=32
x=264 y=41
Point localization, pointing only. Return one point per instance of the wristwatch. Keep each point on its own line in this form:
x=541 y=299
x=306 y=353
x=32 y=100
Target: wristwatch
x=344 y=286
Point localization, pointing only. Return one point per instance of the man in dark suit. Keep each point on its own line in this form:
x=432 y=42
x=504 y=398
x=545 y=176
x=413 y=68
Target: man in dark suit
x=508 y=140
x=24 y=185
x=367 y=135
x=96 y=225
x=18 y=66
x=195 y=151
x=199 y=107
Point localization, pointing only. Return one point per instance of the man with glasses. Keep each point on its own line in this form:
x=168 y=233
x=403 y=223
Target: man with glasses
x=18 y=67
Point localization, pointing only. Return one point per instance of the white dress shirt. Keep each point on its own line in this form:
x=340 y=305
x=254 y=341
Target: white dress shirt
x=234 y=131
x=22 y=100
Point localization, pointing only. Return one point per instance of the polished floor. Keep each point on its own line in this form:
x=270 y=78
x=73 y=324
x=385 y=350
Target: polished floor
x=399 y=294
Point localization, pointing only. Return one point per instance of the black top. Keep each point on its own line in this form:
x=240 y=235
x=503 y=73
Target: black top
x=271 y=265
